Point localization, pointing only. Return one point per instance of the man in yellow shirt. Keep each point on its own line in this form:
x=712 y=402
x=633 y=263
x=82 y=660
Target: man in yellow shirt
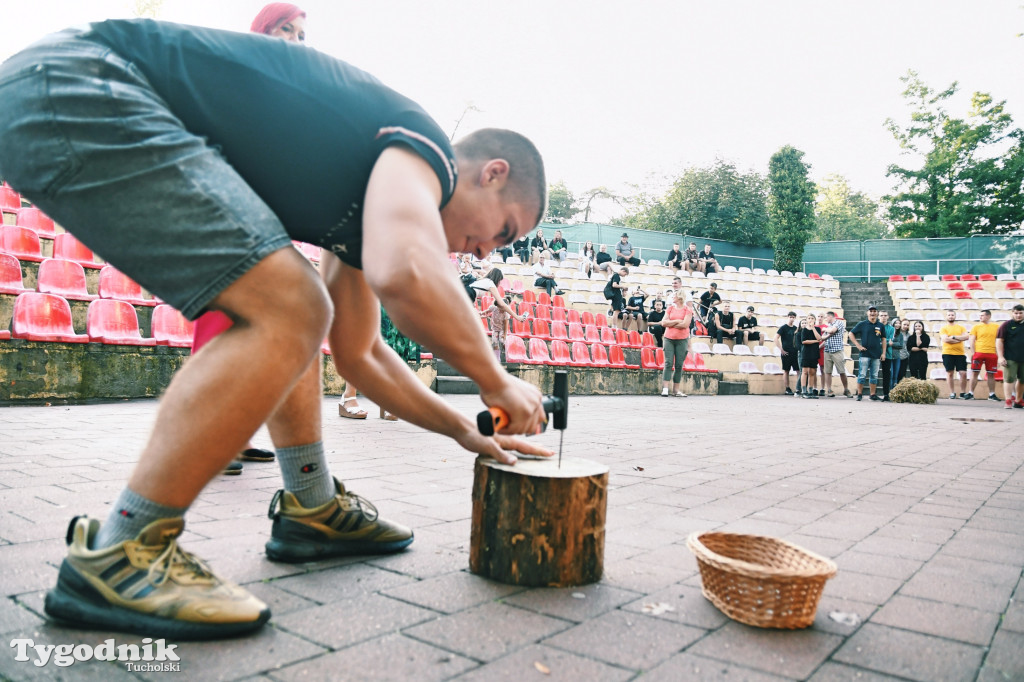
x=954 y=357
x=984 y=346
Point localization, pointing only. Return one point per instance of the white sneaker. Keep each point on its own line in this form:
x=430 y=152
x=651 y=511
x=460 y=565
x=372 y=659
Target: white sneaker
x=664 y=391
x=680 y=394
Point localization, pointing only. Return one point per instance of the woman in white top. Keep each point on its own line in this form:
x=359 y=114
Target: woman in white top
x=588 y=258
x=488 y=284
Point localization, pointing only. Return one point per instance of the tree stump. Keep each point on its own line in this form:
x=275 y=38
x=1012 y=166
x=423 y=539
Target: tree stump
x=539 y=525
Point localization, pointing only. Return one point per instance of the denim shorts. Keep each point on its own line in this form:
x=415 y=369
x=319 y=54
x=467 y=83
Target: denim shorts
x=84 y=136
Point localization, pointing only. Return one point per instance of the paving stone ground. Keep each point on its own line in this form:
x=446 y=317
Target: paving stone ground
x=922 y=512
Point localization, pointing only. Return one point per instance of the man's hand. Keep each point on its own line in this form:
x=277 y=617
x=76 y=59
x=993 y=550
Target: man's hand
x=521 y=401
x=499 y=446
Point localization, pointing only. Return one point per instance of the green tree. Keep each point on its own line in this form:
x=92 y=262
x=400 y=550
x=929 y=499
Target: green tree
x=966 y=183
x=717 y=202
x=790 y=207
x=843 y=214
x=562 y=204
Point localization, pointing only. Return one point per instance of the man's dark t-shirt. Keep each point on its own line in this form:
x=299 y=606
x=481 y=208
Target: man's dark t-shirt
x=746 y=322
x=603 y=257
x=304 y=130
x=1012 y=334
x=609 y=290
x=674 y=256
x=788 y=336
x=636 y=301
x=726 y=320
x=708 y=300
x=865 y=331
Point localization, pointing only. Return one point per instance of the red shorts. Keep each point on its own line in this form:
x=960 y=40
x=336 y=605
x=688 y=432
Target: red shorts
x=989 y=360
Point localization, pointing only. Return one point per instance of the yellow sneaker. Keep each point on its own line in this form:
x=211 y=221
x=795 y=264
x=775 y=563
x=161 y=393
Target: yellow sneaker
x=345 y=525
x=149 y=586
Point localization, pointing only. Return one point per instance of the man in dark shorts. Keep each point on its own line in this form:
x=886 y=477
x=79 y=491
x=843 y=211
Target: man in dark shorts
x=1010 y=354
x=872 y=348
x=190 y=159
x=709 y=300
x=746 y=328
x=707 y=260
x=789 y=345
x=725 y=325
x=954 y=354
x=674 y=257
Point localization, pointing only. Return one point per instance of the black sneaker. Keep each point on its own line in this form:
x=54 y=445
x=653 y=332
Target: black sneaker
x=345 y=525
x=875 y=398
x=789 y=391
x=967 y=396
x=886 y=399
x=847 y=394
x=860 y=397
x=233 y=469
x=1018 y=405
x=993 y=396
x=831 y=394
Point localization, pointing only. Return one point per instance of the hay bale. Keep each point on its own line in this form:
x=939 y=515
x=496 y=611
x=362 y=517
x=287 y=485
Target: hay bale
x=911 y=390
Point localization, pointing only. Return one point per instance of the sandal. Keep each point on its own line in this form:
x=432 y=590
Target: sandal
x=350 y=412
x=256 y=455
x=233 y=469
x=387 y=416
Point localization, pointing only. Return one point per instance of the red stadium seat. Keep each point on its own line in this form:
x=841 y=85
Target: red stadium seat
x=10 y=275
x=618 y=359
x=599 y=355
x=813 y=276
x=485 y=301
x=576 y=332
x=573 y=317
x=1014 y=285
x=581 y=355
x=541 y=329
x=539 y=352
x=118 y=286
x=600 y=320
x=67 y=247
x=962 y=294
x=987 y=277
x=914 y=278
x=515 y=349
x=608 y=336
x=65 y=278
x=542 y=312
x=648 y=358
x=647 y=340
x=543 y=298
x=557 y=301
x=115 y=322
x=20 y=242
x=968 y=278
x=486 y=324
x=659 y=354
x=44 y=317
x=170 y=328
x=557 y=314
x=587 y=318
x=895 y=278
x=521 y=328
x=621 y=337
x=528 y=295
x=949 y=278
x=954 y=286
x=975 y=286
x=690 y=363
x=523 y=308
x=4 y=335
x=9 y=199
x=634 y=339
x=592 y=333
x=37 y=221
x=560 y=353
x=558 y=331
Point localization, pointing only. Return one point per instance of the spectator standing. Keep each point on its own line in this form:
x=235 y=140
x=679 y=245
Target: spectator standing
x=872 y=347
x=654 y=319
x=635 y=311
x=707 y=260
x=954 y=356
x=789 y=345
x=559 y=249
x=677 y=339
x=497 y=316
x=538 y=246
x=917 y=346
x=1010 y=353
x=885 y=361
x=708 y=300
x=588 y=258
x=604 y=261
x=835 y=354
x=545 y=277
x=746 y=328
x=691 y=258
x=984 y=347
x=522 y=248
x=613 y=292
x=896 y=345
x=810 y=341
x=904 y=352
x=624 y=252
x=725 y=324
x=674 y=258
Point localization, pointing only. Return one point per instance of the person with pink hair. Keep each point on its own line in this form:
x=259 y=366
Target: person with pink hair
x=281 y=20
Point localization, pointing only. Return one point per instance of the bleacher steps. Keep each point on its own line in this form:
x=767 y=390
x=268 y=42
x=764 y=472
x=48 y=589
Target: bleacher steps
x=450 y=382
x=732 y=388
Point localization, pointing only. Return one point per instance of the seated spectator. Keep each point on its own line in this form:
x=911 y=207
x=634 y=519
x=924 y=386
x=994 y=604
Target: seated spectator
x=588 y=258
x=691 y=259
x=810 y=340
x=706 y=260
x=677 y=339
x=624 y=252
x=746 y=328
x=659 y=298
x=675 y=257
x=538 y=246
x=725 y=325
x=497 y=316
x=604 y=261
x=635 y=311
x=465 y=264
x=558 y=247
x=522 y=248
x=613 y=292
x=708 y=300
x=789 y=345
x=545 y=277
x=654 y=319
x=917 y=345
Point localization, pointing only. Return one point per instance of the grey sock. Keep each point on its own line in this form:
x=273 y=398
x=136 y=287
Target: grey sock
x=305 y=474
x=129 y=515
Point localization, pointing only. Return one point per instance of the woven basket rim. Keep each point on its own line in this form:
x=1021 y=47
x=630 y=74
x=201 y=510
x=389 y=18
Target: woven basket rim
x=694 y=543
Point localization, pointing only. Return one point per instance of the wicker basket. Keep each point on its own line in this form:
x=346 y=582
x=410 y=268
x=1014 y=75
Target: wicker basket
x=759 y=580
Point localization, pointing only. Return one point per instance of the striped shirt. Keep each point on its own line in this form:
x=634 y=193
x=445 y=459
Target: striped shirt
x=835 y=342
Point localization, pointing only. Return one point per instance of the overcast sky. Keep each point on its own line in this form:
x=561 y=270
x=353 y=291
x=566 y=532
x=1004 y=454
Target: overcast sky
x=619 y=93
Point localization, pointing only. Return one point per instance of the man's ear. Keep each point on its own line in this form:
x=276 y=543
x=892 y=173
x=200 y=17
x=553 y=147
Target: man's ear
x=494 y=173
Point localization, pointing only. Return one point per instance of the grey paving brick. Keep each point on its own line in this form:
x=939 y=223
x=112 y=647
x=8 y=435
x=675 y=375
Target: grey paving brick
x=1005 y=659
x=687 y=666
x=958 y=590
x=341 y=582
x=791 y=653
x=542 y=662
x=630 y=640
x=688 y=606
x=341 y=624
x=452 y=592
x=575 y=604
x=910 y=654
x=934 y=618
x=836 y=672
